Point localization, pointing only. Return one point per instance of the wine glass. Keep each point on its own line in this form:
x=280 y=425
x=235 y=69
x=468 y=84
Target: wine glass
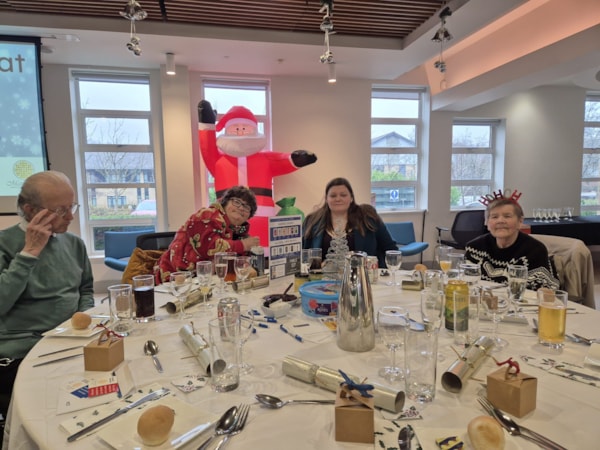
x=242 y=267
x=246 y=329
x=497 y=303
x=443 y=255
x=393 y=259
x=392 y=323
x=221 y=269
x=517 y=281
x=181 y=283
x=204 y=271
x=471 y=273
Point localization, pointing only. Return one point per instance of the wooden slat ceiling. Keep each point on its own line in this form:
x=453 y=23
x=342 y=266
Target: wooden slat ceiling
x=373 y=18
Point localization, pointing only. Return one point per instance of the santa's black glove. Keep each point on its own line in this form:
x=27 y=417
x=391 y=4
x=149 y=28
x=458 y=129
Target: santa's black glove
x=205 y=112
x=302 y=158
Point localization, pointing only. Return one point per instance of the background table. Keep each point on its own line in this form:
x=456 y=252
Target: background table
x=585 y=228
x=567 y=411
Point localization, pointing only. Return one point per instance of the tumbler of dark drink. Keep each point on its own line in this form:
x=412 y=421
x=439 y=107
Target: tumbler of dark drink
x=143 y=294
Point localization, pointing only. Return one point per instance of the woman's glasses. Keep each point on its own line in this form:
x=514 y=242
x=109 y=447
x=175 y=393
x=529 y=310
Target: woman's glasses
x=241 y=205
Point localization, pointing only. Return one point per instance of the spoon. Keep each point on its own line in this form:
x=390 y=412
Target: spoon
x=273 y=402
x=151 y=349
x=223 y=426
x=517 y=430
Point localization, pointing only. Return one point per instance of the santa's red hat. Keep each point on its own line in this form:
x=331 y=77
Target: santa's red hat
x=237 y=115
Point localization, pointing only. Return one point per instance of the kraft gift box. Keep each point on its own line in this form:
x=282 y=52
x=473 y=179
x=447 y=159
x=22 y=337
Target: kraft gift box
x=513 y=393
x=354 y=420
x=104 y=353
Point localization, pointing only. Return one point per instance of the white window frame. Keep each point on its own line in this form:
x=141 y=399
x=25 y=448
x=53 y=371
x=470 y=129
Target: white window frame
x=416 y=150
x=264 y=119
x=590 y=209
x=82 y=147
x=492 y=150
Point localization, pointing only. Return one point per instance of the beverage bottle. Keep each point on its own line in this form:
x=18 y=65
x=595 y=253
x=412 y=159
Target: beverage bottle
x=258 y=259
x=453 y=286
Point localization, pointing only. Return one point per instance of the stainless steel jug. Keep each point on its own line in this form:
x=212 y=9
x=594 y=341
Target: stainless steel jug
x=355 y=321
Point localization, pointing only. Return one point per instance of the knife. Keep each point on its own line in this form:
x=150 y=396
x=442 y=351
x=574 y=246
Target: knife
x=60 y=351
x=585 y=376
x=85 y=431
x=57 y=360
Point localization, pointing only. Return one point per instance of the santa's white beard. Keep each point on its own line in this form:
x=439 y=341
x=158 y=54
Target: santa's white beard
x=239 y=146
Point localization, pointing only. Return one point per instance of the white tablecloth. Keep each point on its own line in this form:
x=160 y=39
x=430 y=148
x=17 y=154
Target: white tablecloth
x=567 y=411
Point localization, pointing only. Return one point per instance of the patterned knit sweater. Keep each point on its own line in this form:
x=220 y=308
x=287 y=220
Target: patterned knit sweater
x=526 y=251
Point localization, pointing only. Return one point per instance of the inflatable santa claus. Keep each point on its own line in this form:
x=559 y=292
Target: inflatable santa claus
x=237 y=158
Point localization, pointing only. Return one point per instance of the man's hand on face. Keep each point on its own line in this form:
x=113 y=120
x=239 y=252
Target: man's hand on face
x=38 y=232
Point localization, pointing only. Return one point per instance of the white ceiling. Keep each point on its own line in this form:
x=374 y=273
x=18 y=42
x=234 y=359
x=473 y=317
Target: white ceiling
x=499 y=47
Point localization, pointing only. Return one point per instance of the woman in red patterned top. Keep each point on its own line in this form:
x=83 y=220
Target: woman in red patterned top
x=222 y=227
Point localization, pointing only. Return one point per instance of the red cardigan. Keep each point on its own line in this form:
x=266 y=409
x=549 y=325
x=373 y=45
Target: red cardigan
x=206 y=232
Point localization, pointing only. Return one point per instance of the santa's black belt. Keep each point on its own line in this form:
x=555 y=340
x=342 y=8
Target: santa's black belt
x=257 y=191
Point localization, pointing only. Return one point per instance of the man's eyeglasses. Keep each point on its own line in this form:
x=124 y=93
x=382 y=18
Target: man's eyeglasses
x=62 y=212
x=241 y=205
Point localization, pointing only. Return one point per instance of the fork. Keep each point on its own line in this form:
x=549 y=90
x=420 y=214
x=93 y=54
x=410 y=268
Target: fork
x=516 y=430
x=238 y=426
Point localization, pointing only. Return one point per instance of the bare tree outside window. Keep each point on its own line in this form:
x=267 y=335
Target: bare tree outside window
x=590 y=171
x=116 y=153
x=472 y=166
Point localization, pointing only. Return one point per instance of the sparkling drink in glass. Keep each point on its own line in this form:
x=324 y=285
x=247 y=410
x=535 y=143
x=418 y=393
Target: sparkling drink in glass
x=204 y=271
x=517 y=281
x=552 y=317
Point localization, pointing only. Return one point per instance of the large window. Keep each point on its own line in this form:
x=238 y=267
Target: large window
x=473 y=161
x=254 y=95
x=590 y=174
x=116 y=153
x=395 y=147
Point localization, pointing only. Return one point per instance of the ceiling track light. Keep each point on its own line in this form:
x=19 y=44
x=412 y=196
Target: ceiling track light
x=327 y=28
x=132 y=12
x=442 y=35
x=170 y=67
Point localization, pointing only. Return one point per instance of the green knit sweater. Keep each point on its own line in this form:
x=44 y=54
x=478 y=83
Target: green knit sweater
x=38 y=294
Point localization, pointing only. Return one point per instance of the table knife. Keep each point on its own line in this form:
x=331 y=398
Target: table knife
x=57 y=360
x=60 y=351
x=85 y=431
x=585 y=376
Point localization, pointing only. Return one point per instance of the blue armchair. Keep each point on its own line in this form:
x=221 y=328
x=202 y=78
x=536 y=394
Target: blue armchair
x=118 y=246
x=404 y=235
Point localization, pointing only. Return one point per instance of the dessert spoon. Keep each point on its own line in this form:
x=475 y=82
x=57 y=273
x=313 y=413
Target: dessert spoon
x=273 y=402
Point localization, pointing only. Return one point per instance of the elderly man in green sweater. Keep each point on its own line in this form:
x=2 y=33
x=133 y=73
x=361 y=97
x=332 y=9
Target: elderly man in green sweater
x=45 y=273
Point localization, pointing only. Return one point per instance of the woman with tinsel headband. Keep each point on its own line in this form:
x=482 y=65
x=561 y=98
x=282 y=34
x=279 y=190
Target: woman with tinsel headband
x=506 y=245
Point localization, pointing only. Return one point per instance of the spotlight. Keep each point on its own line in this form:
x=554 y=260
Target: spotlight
x=170 y=64
x=327 y=57
x=327 y=24
x=133 y=11
x=441 y=35
x=440 y=65
x=134 y=45
x=331 y=76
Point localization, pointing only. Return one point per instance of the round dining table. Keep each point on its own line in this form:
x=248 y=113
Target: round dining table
x=567 y=410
